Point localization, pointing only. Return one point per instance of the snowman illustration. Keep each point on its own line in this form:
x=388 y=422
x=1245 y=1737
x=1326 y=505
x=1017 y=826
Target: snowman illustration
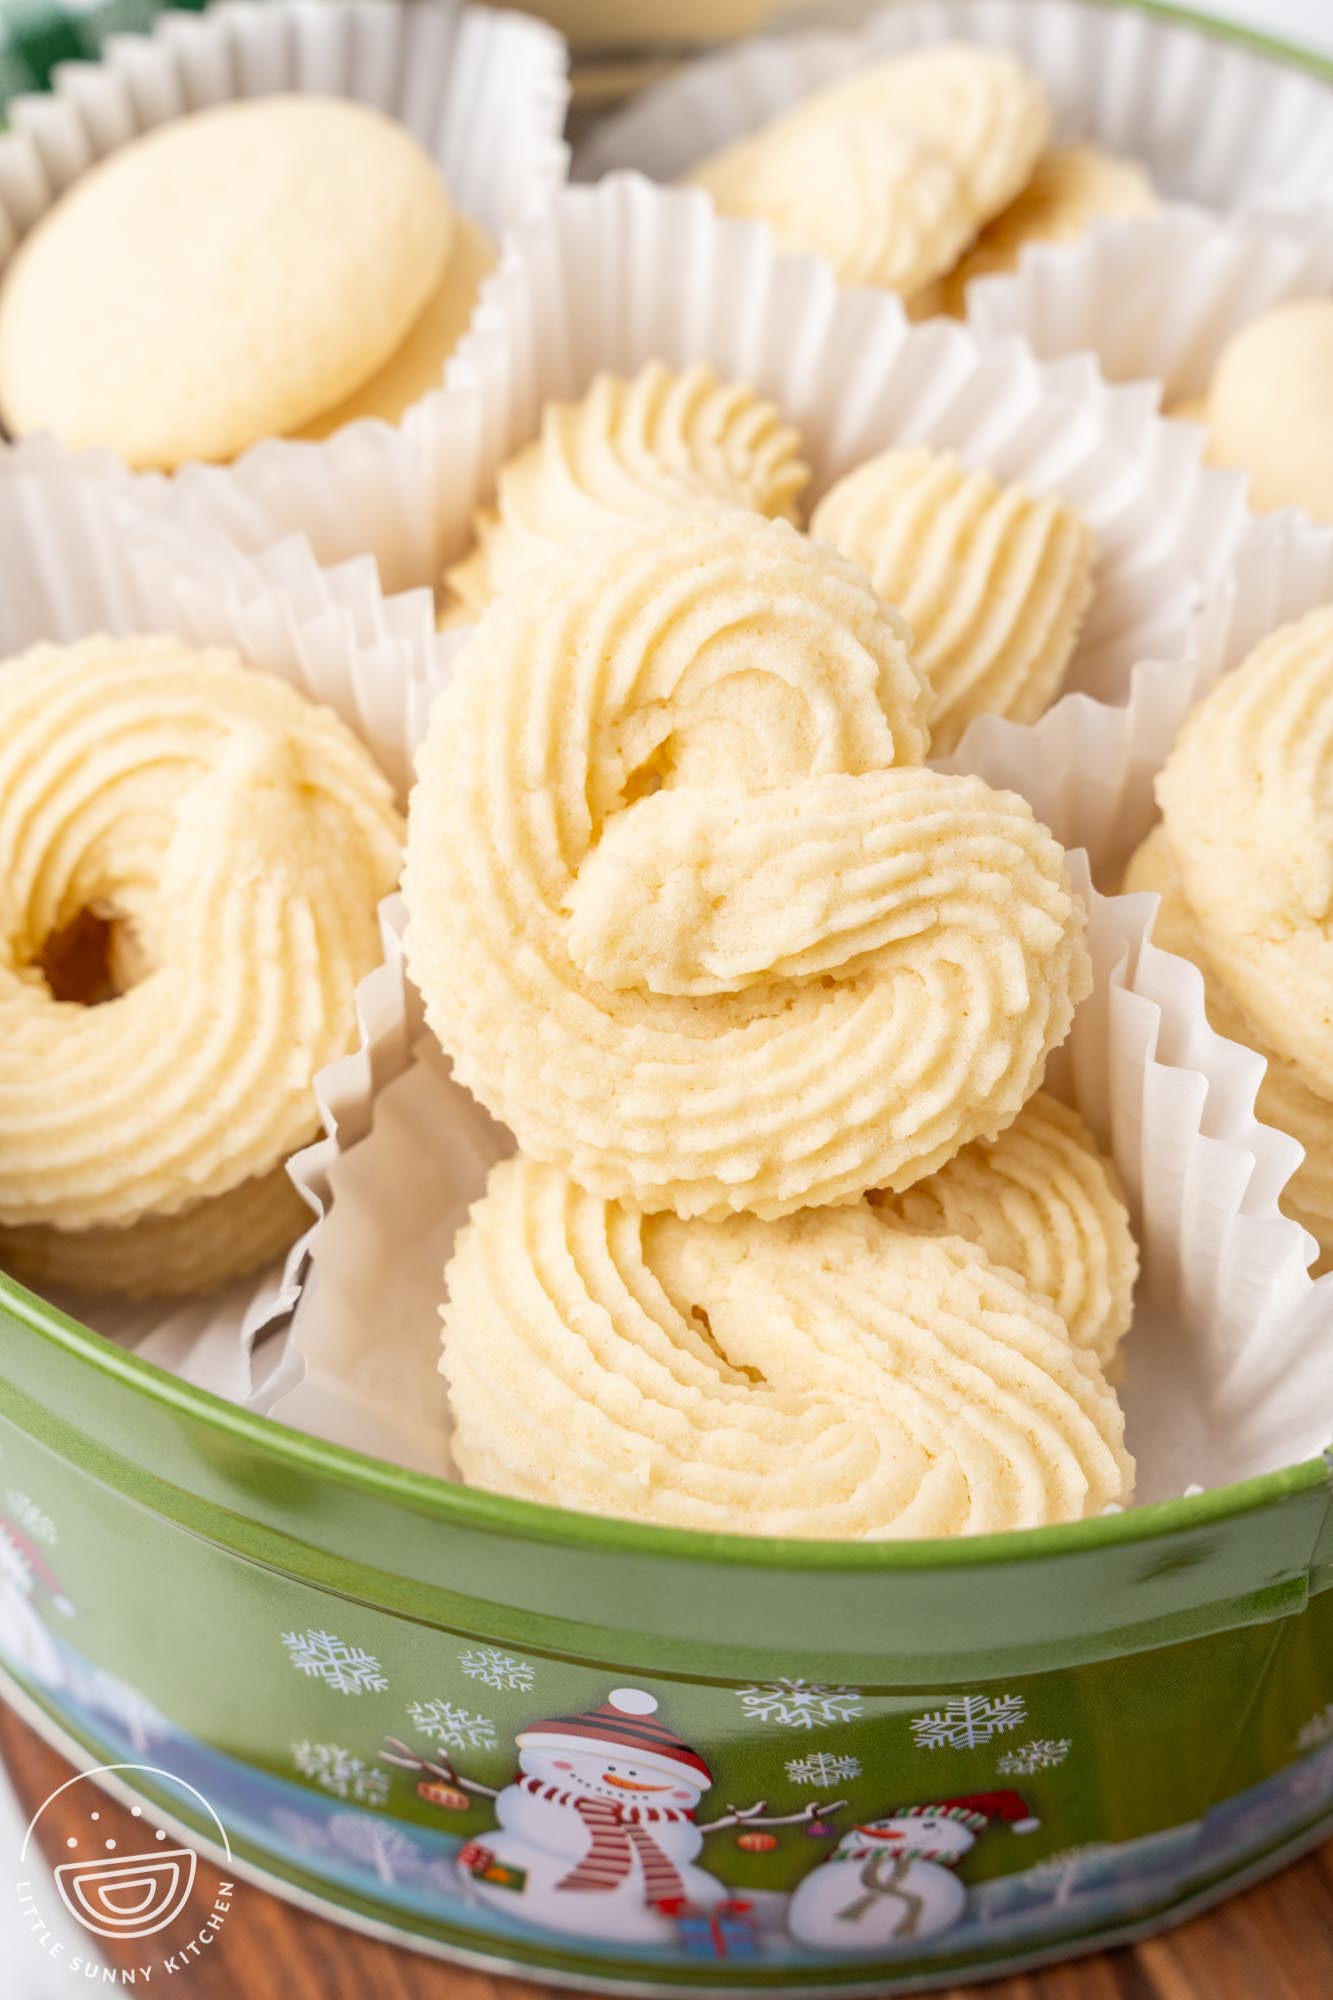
x=890 y=1884
x=25 y=1642
x=598 y=1834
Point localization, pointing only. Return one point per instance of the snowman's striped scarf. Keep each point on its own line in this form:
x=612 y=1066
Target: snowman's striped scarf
x=617 y=1835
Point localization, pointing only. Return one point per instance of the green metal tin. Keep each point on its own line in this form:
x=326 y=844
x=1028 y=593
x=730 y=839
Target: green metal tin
x=1111 y=1722
x=262 y=1614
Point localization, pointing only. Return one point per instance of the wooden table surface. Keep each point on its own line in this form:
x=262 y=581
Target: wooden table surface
x=1274 y=1942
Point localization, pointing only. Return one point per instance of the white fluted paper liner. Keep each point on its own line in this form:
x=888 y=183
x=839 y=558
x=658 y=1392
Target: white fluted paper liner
x=1227 y=1360
x=485 y=92
x=1213 y=121
x=1158 y=298
x=626 y=272
x=77 y=560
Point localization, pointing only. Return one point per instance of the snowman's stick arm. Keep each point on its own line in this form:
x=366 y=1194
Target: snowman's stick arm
x=407 y=1759
x=756 y=1816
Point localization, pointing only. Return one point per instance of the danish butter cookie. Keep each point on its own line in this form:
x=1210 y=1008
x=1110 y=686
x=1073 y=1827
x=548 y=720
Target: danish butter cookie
x=1072 y=187
x=1043 y=1201
x=1270 y=407
x=993 y=582
x=224 y=278
x=686 y=910
x=821 y=1376
x=1247 y=798
x=980 y=108
x=418 y=366
x=652 y=444
x=1284 y=1098
x=234 y=840
x=882 y=206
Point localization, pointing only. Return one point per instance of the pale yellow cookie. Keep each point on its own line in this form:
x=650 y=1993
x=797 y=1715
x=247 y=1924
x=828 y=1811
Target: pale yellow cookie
x=418 y=366
x=1270 y=407
x=1192 y=410
x=652 y=444
x=993 y=582
x=1072 y=187
x=222 y=279
x=882 y=206
x=1284 y=1098
x=1043 y=1201
x=821 y=1376
x=165 y=1256
x=236 y=840
x=1247 y=797
x=980 y=107
x=686 y=910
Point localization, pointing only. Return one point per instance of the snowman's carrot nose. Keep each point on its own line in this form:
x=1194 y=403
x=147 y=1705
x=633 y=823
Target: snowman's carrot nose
x=631 y=1784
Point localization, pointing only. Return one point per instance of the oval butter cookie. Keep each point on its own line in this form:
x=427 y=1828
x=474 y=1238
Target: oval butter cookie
x=821 y=1376
x=191 y=855
x=1270 y=407
x=993 y=582
x=652 y=444
x=224 y=278
x=417 y=366
x=685 y=909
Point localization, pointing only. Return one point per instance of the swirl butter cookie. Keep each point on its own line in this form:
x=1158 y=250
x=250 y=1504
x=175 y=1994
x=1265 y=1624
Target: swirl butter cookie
x=226 y=277
x=1270 y=407
x=1071 y=188
x=191 y=855
x=993 y=581
x=881 y=205
x=981 y=108
x=1042 y=1201
x=686 y=910
x=819 y=1376
x=1247 y=800
x=1285 y=1098
x=652 y=444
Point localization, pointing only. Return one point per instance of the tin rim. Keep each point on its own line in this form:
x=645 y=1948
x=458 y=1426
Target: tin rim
x=448 y=1502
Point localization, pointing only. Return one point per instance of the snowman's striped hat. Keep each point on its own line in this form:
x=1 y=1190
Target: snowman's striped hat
x=626 y=1726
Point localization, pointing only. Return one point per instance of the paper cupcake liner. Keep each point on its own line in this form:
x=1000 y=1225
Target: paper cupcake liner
x=77 y=562
x=597 y=284
x=1212 y=121
x=1157 y=299
x=1227 y=1360
x=485 y=93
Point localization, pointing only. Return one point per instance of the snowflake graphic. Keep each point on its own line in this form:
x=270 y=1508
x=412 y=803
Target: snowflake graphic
x=336 y=1770
x=799 y=1704
x=1042 y=1754
x=1317 y=1731
x=496 y=1669
x=325 y=1657
x=967 y=1720
x=30 y=1516
x=823 y=1769
x=454 y=1728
